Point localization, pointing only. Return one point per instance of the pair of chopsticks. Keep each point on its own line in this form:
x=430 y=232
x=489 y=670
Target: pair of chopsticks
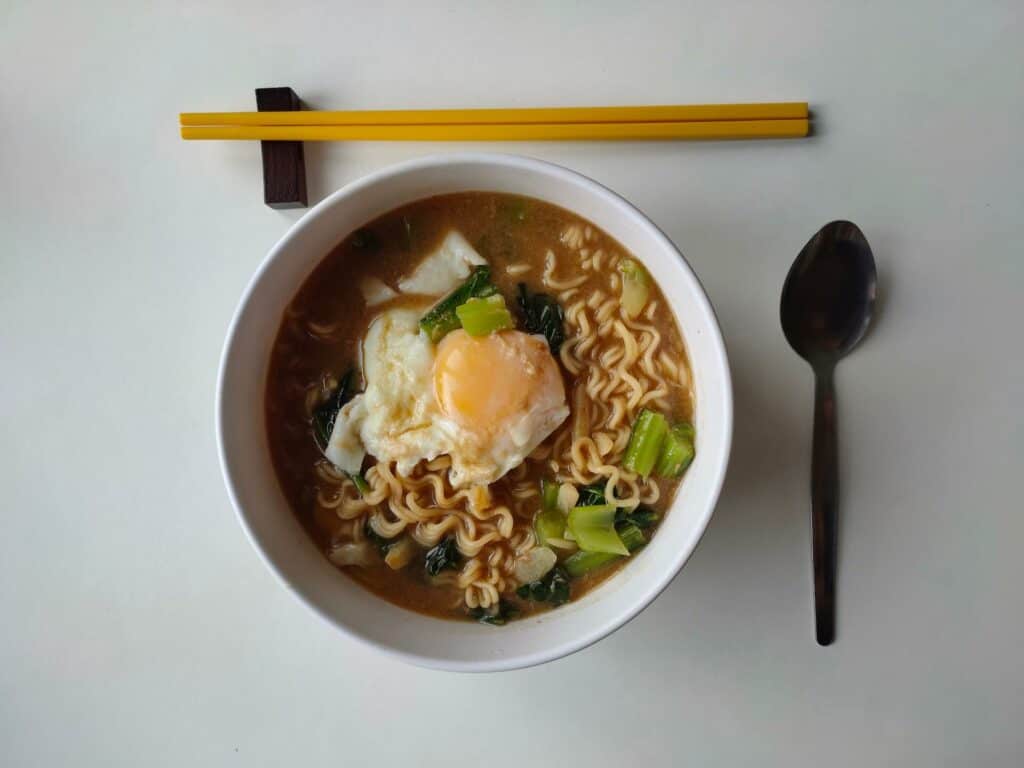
x=708 y=121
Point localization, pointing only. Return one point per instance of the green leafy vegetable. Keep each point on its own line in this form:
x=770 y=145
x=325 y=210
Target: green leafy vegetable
x=632 y=537
x=594 y=529
x=443 y=556
x=364 y=240
x=591 y=495
x=325 y=414
x=552 y=588
x=581 y=563
x=584 y=562
x=378 y=541
x=480 y=317
x=543 y=315
x=559 y=590
x=645 y=442
x=641 y=517
x=495 y=617
x=677 y=451
x=442 y=318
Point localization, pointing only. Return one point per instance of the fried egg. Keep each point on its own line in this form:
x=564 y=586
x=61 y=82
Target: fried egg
x=486 y=402
x=504 y=392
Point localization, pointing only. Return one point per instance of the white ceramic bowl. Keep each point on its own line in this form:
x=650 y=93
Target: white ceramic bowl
x=281 y=541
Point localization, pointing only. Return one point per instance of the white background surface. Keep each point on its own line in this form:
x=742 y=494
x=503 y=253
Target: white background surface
x=138 y=626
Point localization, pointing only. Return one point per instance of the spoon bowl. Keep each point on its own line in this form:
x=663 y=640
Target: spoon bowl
x=829 y=294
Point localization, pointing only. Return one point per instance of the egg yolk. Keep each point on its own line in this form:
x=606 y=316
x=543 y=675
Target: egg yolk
x=486 y=383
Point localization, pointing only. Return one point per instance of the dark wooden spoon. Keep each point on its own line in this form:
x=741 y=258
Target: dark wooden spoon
x=827 y=303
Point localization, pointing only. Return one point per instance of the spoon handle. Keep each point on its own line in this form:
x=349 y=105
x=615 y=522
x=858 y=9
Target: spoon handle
x=824 y=505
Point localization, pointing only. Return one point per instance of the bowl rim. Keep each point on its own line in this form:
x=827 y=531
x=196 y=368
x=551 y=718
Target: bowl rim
x=671 y=568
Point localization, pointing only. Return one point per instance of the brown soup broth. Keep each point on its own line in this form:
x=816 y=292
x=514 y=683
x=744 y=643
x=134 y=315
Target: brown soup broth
x=505 y=230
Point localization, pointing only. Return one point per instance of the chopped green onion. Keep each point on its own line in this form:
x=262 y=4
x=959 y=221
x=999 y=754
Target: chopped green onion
x=549 y=524
x=561 y=544
x=359 y=482
x=645 y=442
x=597 y=515
x=632 y=269
x=584 y=562
x=548 y=495
x=480 y=317
x=594 y=529
x=635 y=287
x=442 y=318
x=581 y=562
x=676 y=452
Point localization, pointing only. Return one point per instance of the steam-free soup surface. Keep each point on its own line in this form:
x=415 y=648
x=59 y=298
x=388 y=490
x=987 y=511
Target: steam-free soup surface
x=551 y=251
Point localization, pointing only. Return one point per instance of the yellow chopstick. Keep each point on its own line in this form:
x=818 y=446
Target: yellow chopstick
x=547 y=115
x=732 y=129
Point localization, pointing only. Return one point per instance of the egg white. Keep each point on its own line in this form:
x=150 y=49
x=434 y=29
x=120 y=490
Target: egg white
x=397 y=418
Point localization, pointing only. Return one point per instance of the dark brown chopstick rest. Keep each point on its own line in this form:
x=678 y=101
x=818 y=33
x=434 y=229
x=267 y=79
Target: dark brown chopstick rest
x=284 y=165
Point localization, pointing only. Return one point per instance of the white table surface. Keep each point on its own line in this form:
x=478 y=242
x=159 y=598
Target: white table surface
x=139 y=627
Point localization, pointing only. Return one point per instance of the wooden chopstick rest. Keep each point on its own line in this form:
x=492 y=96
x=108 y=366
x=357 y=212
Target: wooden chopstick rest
x=284 y=163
